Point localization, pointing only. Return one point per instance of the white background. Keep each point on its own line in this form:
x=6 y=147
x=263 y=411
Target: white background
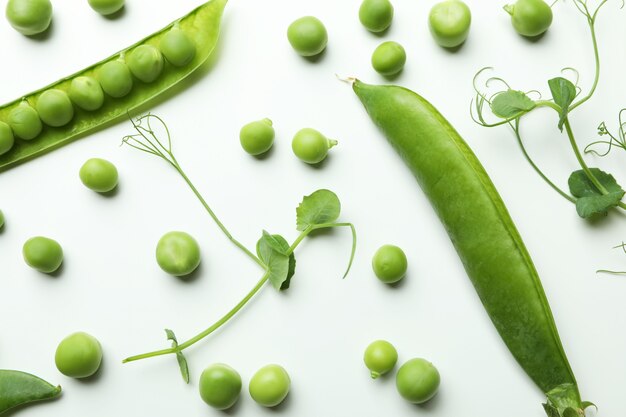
x=111 y=286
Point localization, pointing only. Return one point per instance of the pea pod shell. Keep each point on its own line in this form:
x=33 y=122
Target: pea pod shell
x=480 y=228
x=202 y=25
x=19 y=388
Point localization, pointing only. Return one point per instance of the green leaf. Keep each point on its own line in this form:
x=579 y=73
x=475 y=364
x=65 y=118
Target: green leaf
x=182 y=362
x=570 y=412
x=563 y=93
x=511 y=103
x=272 y=251
x=323 y=206
x=591 y=202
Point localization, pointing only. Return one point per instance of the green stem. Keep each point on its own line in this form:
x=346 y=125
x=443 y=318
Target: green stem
x=536 y=168
x=581 y=161
x=214 y=217
x=209 y=330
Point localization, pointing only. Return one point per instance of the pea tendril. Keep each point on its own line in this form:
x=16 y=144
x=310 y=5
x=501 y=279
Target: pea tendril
x=275 y=256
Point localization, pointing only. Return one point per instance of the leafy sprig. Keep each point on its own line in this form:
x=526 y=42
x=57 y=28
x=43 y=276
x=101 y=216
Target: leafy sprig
x=593 y=191
x=274 y=254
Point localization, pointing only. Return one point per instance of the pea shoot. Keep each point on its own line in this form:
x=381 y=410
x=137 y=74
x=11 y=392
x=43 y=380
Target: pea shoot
x=593 y=191
x=274 y=254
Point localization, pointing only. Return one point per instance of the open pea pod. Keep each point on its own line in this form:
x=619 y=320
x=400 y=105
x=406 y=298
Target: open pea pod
x=201 y=26
x=20 y=388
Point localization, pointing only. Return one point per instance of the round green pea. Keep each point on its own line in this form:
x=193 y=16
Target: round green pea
x=178 y=253
x=115 y=78
x=43 y=254
x=389 y=58
x=257 y=137
x=220 y=386
x=79 y=355
x=270 y=385
x=24 y=121
x=146 y=63
x=86 y=93
x=307 y=35
x=106 y=7
x=29 y=17
x=530 y=18
x=6 y=138
x=177 y=47
x=311 y=146
x=99 y=175
x=55 y=108
x=417 y=380
x=380 y=357
x=389 y=264
x=449 y=23
x=376 y=15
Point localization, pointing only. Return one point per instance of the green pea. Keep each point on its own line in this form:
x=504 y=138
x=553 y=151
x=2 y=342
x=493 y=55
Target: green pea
x=1 y=219
x=79 y=355
x=177 y=47
x=311 y=146
x=530 y=18
x=24 y=121
x=380 y=357
x=115 y=78
x=55 y=108
x=178 y=253
x=257 y=137
x=220 y=386
x=449 y=23
x=29 y=17
x=106 y=7
x=376 y=15
x=99 y=175
x=6 y=138
x=270 y=385
x=86 y=93
x=307 y=35
x=43 y=254
x=389 y=58
x=389 y=264
x=417 y=380
x=146 y=63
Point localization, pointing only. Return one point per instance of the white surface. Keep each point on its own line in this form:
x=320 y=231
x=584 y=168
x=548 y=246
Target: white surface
x=111 y=286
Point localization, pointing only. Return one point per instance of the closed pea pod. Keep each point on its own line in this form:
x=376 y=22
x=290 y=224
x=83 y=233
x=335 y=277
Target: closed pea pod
x=55 y=108
x=24 y=121
x=86 y=93
x=483 y=233
x=201 y=25
x=6 y=138
x=20 y=388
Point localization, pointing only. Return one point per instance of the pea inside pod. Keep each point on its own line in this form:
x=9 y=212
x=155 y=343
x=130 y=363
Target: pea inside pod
x=177 y=47
x=201 y=26
x=146 y=63
x=6 y=138
x=20 y=388
x=86 y=93
x=55 y=108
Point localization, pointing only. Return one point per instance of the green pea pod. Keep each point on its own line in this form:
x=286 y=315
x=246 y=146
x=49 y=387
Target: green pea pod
x=483 y=233
x=19 y=388
x=201 y=26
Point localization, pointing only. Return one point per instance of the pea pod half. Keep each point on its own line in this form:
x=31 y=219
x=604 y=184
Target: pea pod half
x=199 y=29
x=19 y=388
x=483 y=233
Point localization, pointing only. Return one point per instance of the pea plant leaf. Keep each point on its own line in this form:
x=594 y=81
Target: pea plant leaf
x=272 y=250
x=182 y=362
x=511 y=103
x=563 y=92
x=321 y=207
x=590 y=201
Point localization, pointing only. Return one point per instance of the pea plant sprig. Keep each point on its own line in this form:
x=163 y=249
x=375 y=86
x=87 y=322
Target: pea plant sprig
x=274 y=254
x=592 y=190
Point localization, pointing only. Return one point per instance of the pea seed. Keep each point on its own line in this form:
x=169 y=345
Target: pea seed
x=6 y=138
x=29 y=17
x=25 y=122
x=389 y=58
x=115 y=78
x=43 y=254
x=55 y=108
x=146 y=63
x=86 y=93
x=177 y=48
x=106 y=7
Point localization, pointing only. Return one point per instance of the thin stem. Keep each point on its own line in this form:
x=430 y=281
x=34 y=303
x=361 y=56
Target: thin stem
x=581 y=161
x=214 y=217
x=535 y=167
x=209 y=330
x=299 y=239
